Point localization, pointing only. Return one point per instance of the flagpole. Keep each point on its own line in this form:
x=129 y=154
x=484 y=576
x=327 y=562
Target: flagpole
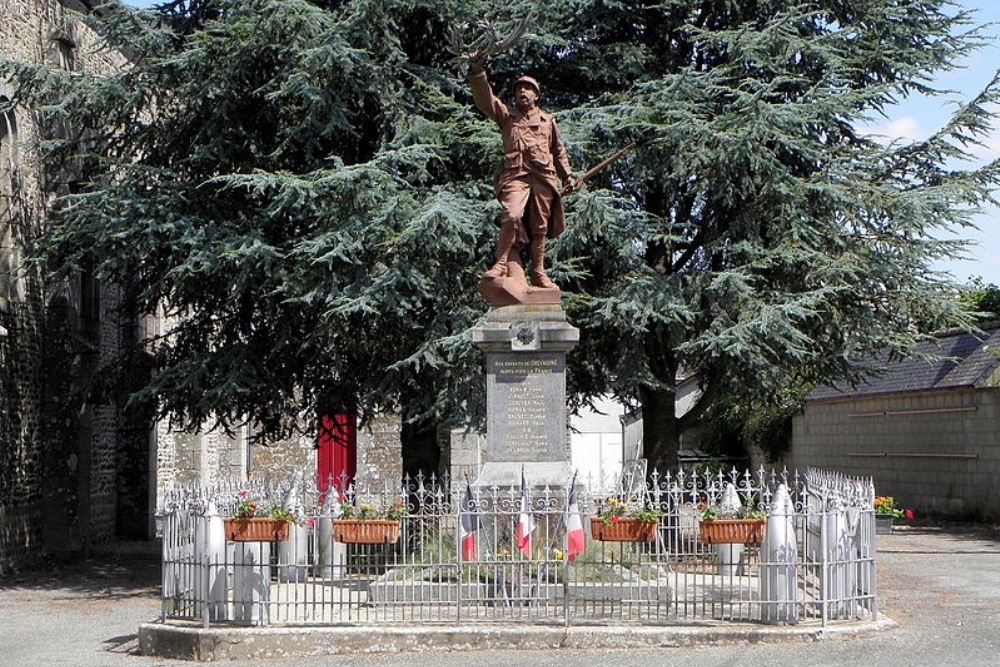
x=458 y=550
x=543 y=571
x=565 y=563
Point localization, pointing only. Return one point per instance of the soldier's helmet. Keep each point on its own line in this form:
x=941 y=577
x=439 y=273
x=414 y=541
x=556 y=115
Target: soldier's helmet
x=531 y=82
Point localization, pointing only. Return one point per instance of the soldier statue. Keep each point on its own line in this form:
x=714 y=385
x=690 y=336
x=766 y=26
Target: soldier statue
x=530 y=201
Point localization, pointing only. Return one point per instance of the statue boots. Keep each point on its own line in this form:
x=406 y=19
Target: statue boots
x=505 y=247
x=538 y=276
x=515 y=265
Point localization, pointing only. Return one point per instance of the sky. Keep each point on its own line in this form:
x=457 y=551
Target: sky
x=917 y=117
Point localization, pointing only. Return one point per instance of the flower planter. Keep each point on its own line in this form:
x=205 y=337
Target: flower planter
x=258 y=529
x=732 y=531
x=366 y=531
x=626 y=530
x=883 y=524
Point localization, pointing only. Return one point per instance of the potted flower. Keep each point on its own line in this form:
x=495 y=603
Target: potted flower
x=366 y=525
x=253 y=522
x=619 y=521
x=722 y=526
x=886 y=511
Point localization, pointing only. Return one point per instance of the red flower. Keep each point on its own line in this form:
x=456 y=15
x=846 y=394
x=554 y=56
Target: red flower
x=702 y=505
x=616 y=519
x=243 y=494
x=908 y=514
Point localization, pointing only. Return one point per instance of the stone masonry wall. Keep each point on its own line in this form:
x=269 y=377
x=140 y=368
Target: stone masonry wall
x=200 y=459
x=380 y=453
x=284 y=459
x=933 y=451
x=20 y=431
x=57 y=453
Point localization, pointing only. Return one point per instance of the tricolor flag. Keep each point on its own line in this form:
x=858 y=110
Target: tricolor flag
x=468 y=524
x=576 y=540
x=525 y=521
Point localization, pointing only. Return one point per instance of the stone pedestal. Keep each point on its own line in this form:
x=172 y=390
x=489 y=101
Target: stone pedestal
x=526 y=424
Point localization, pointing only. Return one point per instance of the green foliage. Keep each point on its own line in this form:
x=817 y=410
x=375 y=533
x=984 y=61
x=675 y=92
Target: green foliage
x=393 y=512
x=711 y=512
x=614 y=510
x=304 y=187
x=981 y=299
x=251 y=507
x=740 y=423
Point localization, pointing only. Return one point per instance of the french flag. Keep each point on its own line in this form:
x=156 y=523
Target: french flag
x=525 y=521
x=576 y=540
x=468 y=524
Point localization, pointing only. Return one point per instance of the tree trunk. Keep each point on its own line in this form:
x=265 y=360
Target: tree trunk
x=756 y=455
x=660 y=439
x=421 y=450
x=660 y=434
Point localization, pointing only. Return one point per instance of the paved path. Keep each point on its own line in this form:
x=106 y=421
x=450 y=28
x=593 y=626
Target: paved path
x=942 y=585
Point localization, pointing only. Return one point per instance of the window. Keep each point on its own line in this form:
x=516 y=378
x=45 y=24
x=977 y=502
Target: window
x=65 y=53
x=90 y=294
x=8 y=176
x=62 y=52
x=8 y=145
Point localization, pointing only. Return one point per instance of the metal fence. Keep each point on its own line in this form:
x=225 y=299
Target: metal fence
x=816 y=563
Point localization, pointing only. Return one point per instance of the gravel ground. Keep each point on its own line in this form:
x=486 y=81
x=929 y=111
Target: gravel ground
x=941 y=584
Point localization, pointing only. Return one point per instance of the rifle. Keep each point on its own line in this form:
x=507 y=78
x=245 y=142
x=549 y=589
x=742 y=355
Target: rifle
x=590 y=173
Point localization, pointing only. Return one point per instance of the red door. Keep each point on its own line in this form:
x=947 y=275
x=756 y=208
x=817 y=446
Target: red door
x=337 y=458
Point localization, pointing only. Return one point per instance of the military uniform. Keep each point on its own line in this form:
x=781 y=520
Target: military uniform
x=526 y=185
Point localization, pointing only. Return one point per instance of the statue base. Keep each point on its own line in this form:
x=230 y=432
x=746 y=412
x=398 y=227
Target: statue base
x=514 y=291
x=526 y=425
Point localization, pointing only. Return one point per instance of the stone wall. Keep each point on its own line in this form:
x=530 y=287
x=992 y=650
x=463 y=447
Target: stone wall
x=59 y=452
x=933 y=451
x=285 y=458
x=199 y=459
x=20 y=432
x=380 y=452
x=204 y=459
x=463 y=453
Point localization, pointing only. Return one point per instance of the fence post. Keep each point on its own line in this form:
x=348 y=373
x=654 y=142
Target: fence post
x=824 y=575
x=730 y=555
x=252 y=583
x=210 y=538
x=870 y=552
x=778 y=562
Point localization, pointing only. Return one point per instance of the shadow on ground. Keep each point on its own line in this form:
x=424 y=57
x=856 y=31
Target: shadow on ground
x=950 y=538
x=117 y=571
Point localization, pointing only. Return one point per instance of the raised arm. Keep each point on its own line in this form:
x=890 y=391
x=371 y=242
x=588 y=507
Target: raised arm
x=484 y=98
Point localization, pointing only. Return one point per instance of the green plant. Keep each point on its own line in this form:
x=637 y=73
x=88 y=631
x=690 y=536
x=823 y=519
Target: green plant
x=251 y=508
x=363 y=511
x=614 y=510
x=712 y=511
x=886 y=506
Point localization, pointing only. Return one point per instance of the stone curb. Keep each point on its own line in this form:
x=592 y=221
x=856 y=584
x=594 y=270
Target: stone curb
x=187 y=642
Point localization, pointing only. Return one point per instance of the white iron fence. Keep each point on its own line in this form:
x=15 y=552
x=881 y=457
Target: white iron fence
x=816 y=562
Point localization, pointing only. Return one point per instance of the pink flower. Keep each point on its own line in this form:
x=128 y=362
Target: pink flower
x=908 y=514
x=310 y=522
x=616 y=519
x=341 y=499
x=243 y=494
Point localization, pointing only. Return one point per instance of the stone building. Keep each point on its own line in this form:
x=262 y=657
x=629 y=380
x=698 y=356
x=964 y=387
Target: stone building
x=927 y=432
x=73 y=470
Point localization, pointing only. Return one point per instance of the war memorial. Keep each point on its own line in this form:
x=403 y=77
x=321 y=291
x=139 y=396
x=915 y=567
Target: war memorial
x=523 y=553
